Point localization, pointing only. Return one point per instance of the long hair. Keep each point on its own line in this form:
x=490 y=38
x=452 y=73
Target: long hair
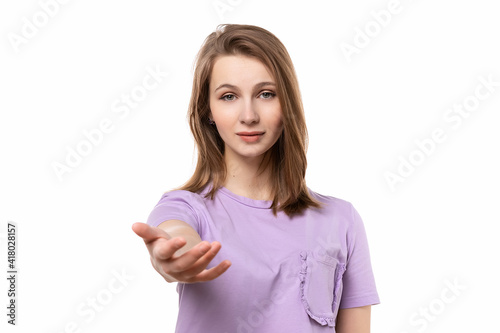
x=287 y=157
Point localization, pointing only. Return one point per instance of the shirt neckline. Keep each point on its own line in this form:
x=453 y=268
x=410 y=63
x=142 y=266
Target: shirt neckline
x=245 y=200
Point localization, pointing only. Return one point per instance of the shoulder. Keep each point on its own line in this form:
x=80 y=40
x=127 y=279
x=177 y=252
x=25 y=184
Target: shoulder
x=188 y=198
x=341 y=210
x=181 y=205
x=331 y=202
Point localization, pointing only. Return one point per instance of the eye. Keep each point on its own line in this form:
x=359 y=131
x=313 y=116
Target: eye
x=224 y=98
x=267 y=95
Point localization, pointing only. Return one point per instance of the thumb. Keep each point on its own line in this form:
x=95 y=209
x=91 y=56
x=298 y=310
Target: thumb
x=149 y=233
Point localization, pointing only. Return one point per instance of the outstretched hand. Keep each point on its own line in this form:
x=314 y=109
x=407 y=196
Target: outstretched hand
x=187 y=267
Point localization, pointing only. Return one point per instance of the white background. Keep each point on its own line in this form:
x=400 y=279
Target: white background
x=363 y=115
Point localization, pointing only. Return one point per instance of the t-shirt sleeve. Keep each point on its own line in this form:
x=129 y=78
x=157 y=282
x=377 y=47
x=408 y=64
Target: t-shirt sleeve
x=358 y=279
x=177 y=205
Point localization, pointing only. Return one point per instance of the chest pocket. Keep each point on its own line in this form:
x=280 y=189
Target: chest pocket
x=321 y=286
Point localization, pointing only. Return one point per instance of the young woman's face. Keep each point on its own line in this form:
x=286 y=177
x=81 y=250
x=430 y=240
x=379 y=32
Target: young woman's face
x=244 y=106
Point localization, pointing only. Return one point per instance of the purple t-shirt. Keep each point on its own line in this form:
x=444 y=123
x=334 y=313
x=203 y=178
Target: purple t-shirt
x=287 y=274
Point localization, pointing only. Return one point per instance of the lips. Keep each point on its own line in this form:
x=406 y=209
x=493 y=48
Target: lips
x=249 y=133
x=250 y=136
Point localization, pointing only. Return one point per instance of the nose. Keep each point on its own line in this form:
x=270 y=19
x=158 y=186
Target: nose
x=248 y=113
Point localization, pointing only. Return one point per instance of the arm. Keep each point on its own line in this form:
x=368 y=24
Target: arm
x=178 y=228
x=354 y=320
x=178 y=254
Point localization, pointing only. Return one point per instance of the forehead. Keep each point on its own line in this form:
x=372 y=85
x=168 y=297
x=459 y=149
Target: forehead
x=241 y=69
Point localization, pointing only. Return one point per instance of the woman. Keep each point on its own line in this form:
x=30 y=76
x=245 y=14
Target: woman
x=252 y=248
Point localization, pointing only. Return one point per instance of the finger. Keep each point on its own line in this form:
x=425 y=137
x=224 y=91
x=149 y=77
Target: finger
x=212 y=273
x=203 y=262
x=186 y=260
x=162 y=249
x=149 y=233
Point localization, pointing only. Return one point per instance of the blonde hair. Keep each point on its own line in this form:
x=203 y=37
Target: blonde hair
x=287 y=157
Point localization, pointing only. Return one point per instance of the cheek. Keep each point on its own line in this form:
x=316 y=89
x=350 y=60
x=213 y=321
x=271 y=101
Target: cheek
x=278 y=116
x=277 y=120
x=224 y=125
x=280 y=129
x=278 y=125
x=212 y=106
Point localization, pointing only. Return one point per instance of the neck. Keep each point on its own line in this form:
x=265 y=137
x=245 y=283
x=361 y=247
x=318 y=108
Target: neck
x=244 y=177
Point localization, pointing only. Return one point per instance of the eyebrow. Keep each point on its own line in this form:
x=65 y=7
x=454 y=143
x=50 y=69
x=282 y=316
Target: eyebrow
x=257 y=86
